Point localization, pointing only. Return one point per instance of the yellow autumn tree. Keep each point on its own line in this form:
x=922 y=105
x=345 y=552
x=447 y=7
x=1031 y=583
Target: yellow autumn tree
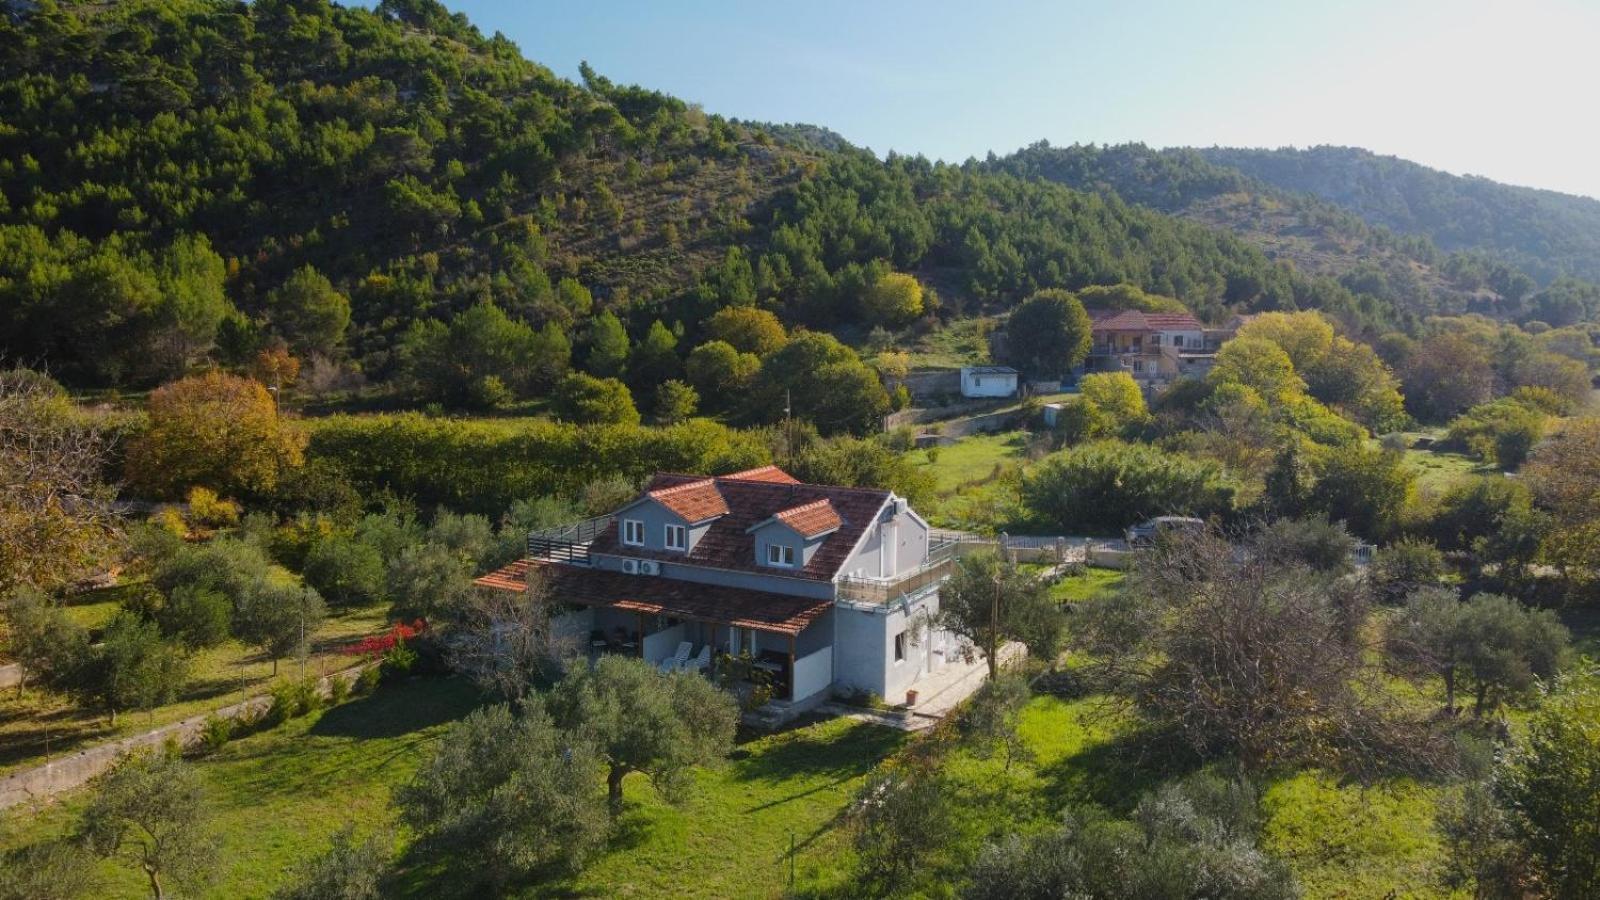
x=894 y=299
x=216 y=431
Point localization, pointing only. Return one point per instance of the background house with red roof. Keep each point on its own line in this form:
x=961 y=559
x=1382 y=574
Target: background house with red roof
x=827 y=589
x=1152 y=347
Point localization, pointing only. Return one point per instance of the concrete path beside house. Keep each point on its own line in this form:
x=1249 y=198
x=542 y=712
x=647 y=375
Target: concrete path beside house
x=937 y=695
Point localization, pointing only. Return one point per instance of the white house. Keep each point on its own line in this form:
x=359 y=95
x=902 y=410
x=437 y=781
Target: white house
x=829 y=590
x=988 y=381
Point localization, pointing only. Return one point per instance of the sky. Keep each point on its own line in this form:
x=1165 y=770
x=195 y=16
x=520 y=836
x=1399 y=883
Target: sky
x=1504 y=89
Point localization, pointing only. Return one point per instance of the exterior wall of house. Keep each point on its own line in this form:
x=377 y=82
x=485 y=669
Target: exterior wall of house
x=909 y=536
x=858 y=641
x=984 y=384
x=864 y=647
x=655 y=518
x=779 y=533
x=754 y=581
x=1193 y=339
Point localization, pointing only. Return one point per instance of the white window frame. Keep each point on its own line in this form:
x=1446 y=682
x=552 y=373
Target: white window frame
x=780 y=555
x=900 y=648
x=633 y=532
x=669 y=531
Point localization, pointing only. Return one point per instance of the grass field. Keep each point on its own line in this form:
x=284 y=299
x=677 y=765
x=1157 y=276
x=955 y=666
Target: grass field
x=1437 y=469
x=35 y=719
x=1092 y=583
x=972 y=492
x=281 y=794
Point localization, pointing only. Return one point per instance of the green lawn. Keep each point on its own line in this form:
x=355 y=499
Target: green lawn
x=281 y=794
x=1437 y=469
x=972 y=492
x=971 y=459
x=1342 y=840
x=218 y=676
x=1092 y=583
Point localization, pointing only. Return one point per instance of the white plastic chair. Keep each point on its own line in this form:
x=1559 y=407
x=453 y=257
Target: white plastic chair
x=701 y=661
x=676 y=661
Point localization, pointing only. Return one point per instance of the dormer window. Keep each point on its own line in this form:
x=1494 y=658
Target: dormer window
x=633 y=532
x=676 y=537
x=780 y=555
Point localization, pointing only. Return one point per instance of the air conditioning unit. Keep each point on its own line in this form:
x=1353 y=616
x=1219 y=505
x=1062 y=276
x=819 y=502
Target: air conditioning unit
x=649 y=567
x=630 y=566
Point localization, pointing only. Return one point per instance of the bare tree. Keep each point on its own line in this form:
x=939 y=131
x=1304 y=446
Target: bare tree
x=1243 y=653
x=507 y=642
x=54 y=508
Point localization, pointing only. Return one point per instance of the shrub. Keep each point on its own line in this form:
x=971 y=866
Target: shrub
x=211 y=511
x=1502 y=432
x=293 y=698
x=1405 y=566
x=345 y=570
x=368 y=680
x=215 y=732
x=338 y=689
x=1107 y=485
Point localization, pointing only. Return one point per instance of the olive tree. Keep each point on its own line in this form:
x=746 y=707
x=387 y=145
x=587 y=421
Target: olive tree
x=1493 y=643
x=348 y=870
x=644 y=721
x=992 y=602
x=150 y=810
x=1197 y=838
x=1243 y=653
x=504 y=795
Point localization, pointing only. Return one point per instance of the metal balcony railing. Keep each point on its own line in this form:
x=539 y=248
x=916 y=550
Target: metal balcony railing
x=567 y=543
x=864 y=589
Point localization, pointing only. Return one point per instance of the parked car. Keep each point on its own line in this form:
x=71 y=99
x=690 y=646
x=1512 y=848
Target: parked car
x=1145 y=533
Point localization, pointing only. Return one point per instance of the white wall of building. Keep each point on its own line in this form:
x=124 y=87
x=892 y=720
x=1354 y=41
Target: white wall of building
x=985 y=384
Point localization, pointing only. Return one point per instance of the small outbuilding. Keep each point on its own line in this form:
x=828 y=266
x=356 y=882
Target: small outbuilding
x=988 y=381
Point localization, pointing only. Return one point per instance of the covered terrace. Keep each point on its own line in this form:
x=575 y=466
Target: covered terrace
x=651 y=616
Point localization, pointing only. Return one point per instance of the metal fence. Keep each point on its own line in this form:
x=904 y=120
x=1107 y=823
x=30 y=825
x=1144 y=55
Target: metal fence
x=568 y=543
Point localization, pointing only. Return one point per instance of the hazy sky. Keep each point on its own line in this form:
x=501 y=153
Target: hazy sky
x=1503 y=89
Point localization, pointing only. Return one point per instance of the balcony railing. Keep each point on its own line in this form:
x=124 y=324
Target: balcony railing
x=567 y=543
x=941 y=563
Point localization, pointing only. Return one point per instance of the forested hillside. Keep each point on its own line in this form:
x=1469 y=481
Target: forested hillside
x=1545 y=232
x=375 y=189
x=1396 y=259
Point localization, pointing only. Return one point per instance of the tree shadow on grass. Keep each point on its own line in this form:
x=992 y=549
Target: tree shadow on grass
x=1117 y=772
x=841 y=753
x=400 y=709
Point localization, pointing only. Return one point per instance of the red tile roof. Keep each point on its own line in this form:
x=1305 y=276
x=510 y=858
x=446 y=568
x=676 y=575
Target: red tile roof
x=1137 y=320
x=761 y=610
x=810 y=519
x=764 y=473
x=1173 y=322
x=1118 y=320
x=727 y=544
x=694 y=502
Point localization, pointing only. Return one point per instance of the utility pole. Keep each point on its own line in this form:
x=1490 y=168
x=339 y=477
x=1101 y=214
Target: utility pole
x=788 y=428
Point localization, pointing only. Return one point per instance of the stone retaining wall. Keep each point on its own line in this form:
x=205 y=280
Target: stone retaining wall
x=73 y=770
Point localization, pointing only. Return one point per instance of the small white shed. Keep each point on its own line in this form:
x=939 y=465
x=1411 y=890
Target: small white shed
x=988 y=381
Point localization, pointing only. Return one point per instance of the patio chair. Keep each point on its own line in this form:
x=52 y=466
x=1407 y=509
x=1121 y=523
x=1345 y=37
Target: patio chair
x=700 y=662
x=676 y=661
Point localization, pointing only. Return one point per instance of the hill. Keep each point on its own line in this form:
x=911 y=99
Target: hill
x=1547 y=233
x=190 y=182
x=201 y=152
x=1289 y=223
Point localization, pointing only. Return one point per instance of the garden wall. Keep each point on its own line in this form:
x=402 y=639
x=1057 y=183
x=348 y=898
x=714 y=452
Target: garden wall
x=63 y=774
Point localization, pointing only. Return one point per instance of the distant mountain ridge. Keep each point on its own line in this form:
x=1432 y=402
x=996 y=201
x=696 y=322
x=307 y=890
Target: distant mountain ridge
x=1545 y=232
x=1448 y=246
